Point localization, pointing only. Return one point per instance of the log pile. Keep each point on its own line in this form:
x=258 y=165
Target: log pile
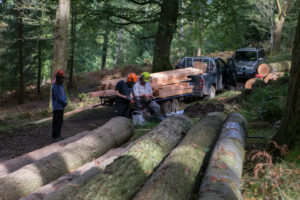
x=271 y=71
x=164 y=84
x=165 y=163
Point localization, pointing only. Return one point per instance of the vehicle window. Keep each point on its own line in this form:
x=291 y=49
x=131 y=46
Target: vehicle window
x=261 y=54
x=245 y=55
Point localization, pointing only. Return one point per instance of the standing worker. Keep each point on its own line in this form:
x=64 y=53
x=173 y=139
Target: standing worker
x=59 y=102
x=123 y=99
x=142 y=92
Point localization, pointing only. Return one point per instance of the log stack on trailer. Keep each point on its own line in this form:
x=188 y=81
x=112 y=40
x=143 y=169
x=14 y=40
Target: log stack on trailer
x=271 y=71
x=164 y=84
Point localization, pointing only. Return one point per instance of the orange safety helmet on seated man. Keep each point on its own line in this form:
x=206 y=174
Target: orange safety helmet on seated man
x=132 y=78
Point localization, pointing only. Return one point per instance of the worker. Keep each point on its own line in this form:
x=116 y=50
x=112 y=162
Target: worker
x=124 y=96
x=59 y=102
x=142 y=92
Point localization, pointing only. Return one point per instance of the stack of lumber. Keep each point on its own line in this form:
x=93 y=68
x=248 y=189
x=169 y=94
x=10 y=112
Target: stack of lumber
x=164 y=84
x=173 y=82
x=271 y=71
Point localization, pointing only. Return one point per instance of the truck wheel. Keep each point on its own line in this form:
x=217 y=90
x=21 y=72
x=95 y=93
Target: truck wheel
x=175 y=105
x=212 y=93
x=166 y=107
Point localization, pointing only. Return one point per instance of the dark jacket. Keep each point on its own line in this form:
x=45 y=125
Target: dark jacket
x=59 y=99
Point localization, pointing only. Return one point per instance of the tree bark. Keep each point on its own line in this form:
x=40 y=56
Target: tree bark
x=118 y=50
x=20 y=57
x=73 y=41
x=38 y=84
x=223 y=177
x=60 y=51
x=176 y=177
x=122 y=179
x=33 y=176
x=164 y=35
x=104 y=48
x=290 y=127
x=280 y=16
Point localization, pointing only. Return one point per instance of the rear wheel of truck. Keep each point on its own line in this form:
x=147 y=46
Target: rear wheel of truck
x=166 y=107
x=212 y=93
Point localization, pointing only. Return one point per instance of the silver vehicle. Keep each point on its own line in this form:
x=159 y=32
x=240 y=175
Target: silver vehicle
x=247 y=61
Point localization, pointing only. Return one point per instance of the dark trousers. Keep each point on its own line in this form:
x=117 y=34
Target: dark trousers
x=58 y=117
x=122 y=109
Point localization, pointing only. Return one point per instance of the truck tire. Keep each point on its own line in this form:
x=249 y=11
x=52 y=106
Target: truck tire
x=175 y=105
x=166 y=107
x=212 y=92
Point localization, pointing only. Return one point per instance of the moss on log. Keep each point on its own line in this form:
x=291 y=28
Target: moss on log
x=31 y=177
x=222 y=179
x=125 y=175
x=175 y=178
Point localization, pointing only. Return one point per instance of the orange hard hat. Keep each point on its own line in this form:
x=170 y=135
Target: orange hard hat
x=132 y=77
x=60 y=73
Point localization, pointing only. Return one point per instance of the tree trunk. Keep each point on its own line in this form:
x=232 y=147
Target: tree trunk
x=279 y=22
x=127 y=174
x=290 y=127
x=164 y=35
x=38 y=84
x=33 y=176
x=104 y=48
x=118 y=50
x=184 y=161
x=20 y=57
x=223 y=177
x=60 y=51
x=73 y=41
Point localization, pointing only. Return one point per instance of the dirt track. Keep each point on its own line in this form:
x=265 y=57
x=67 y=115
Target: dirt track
x=29 y=138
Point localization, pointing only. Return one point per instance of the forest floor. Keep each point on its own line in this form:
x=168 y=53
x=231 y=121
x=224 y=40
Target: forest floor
x=264 y=177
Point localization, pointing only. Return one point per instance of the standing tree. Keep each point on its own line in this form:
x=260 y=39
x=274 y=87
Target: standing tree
x=164 y=35
x=282 y=9
x=20 y=54
x=60 y=52
x=289 y=132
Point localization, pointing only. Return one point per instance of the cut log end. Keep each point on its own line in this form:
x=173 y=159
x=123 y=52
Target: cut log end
x=263 y=69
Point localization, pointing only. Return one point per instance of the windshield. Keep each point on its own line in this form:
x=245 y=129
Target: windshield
x=245 y=56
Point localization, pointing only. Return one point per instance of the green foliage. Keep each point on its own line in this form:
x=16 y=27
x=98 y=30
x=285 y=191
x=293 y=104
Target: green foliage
x=266 y=103
x=83 y=97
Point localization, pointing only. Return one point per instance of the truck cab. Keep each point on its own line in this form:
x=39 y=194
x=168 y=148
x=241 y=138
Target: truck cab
x=218 y=75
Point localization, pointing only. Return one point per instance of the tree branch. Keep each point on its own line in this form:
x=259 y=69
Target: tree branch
x=278 y=6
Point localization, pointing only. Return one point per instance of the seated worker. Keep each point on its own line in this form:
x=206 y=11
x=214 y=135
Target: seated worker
x=123 y=99
x=142 y=92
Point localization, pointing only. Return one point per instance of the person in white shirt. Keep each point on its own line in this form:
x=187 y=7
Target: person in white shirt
x=142 y=92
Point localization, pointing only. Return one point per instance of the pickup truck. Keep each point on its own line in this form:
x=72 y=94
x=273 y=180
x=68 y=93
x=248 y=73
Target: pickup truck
x=218 y=75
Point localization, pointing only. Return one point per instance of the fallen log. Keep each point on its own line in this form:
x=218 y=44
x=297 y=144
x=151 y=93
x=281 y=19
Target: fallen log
x=104 y=93
x=125 y=175
x=263 y=69
x=283 y=66
x=176 y=177
x=273 y=76
x=33 y=176
x=222 y=179
x=64 y=184
x=250 y=82
x=14 y=164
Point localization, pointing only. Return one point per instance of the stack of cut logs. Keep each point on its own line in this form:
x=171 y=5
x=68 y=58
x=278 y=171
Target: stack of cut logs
x=271 y=71
x=162 y=164
x=164 y=84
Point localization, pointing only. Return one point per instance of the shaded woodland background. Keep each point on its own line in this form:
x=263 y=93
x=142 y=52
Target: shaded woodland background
x=111 y=34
